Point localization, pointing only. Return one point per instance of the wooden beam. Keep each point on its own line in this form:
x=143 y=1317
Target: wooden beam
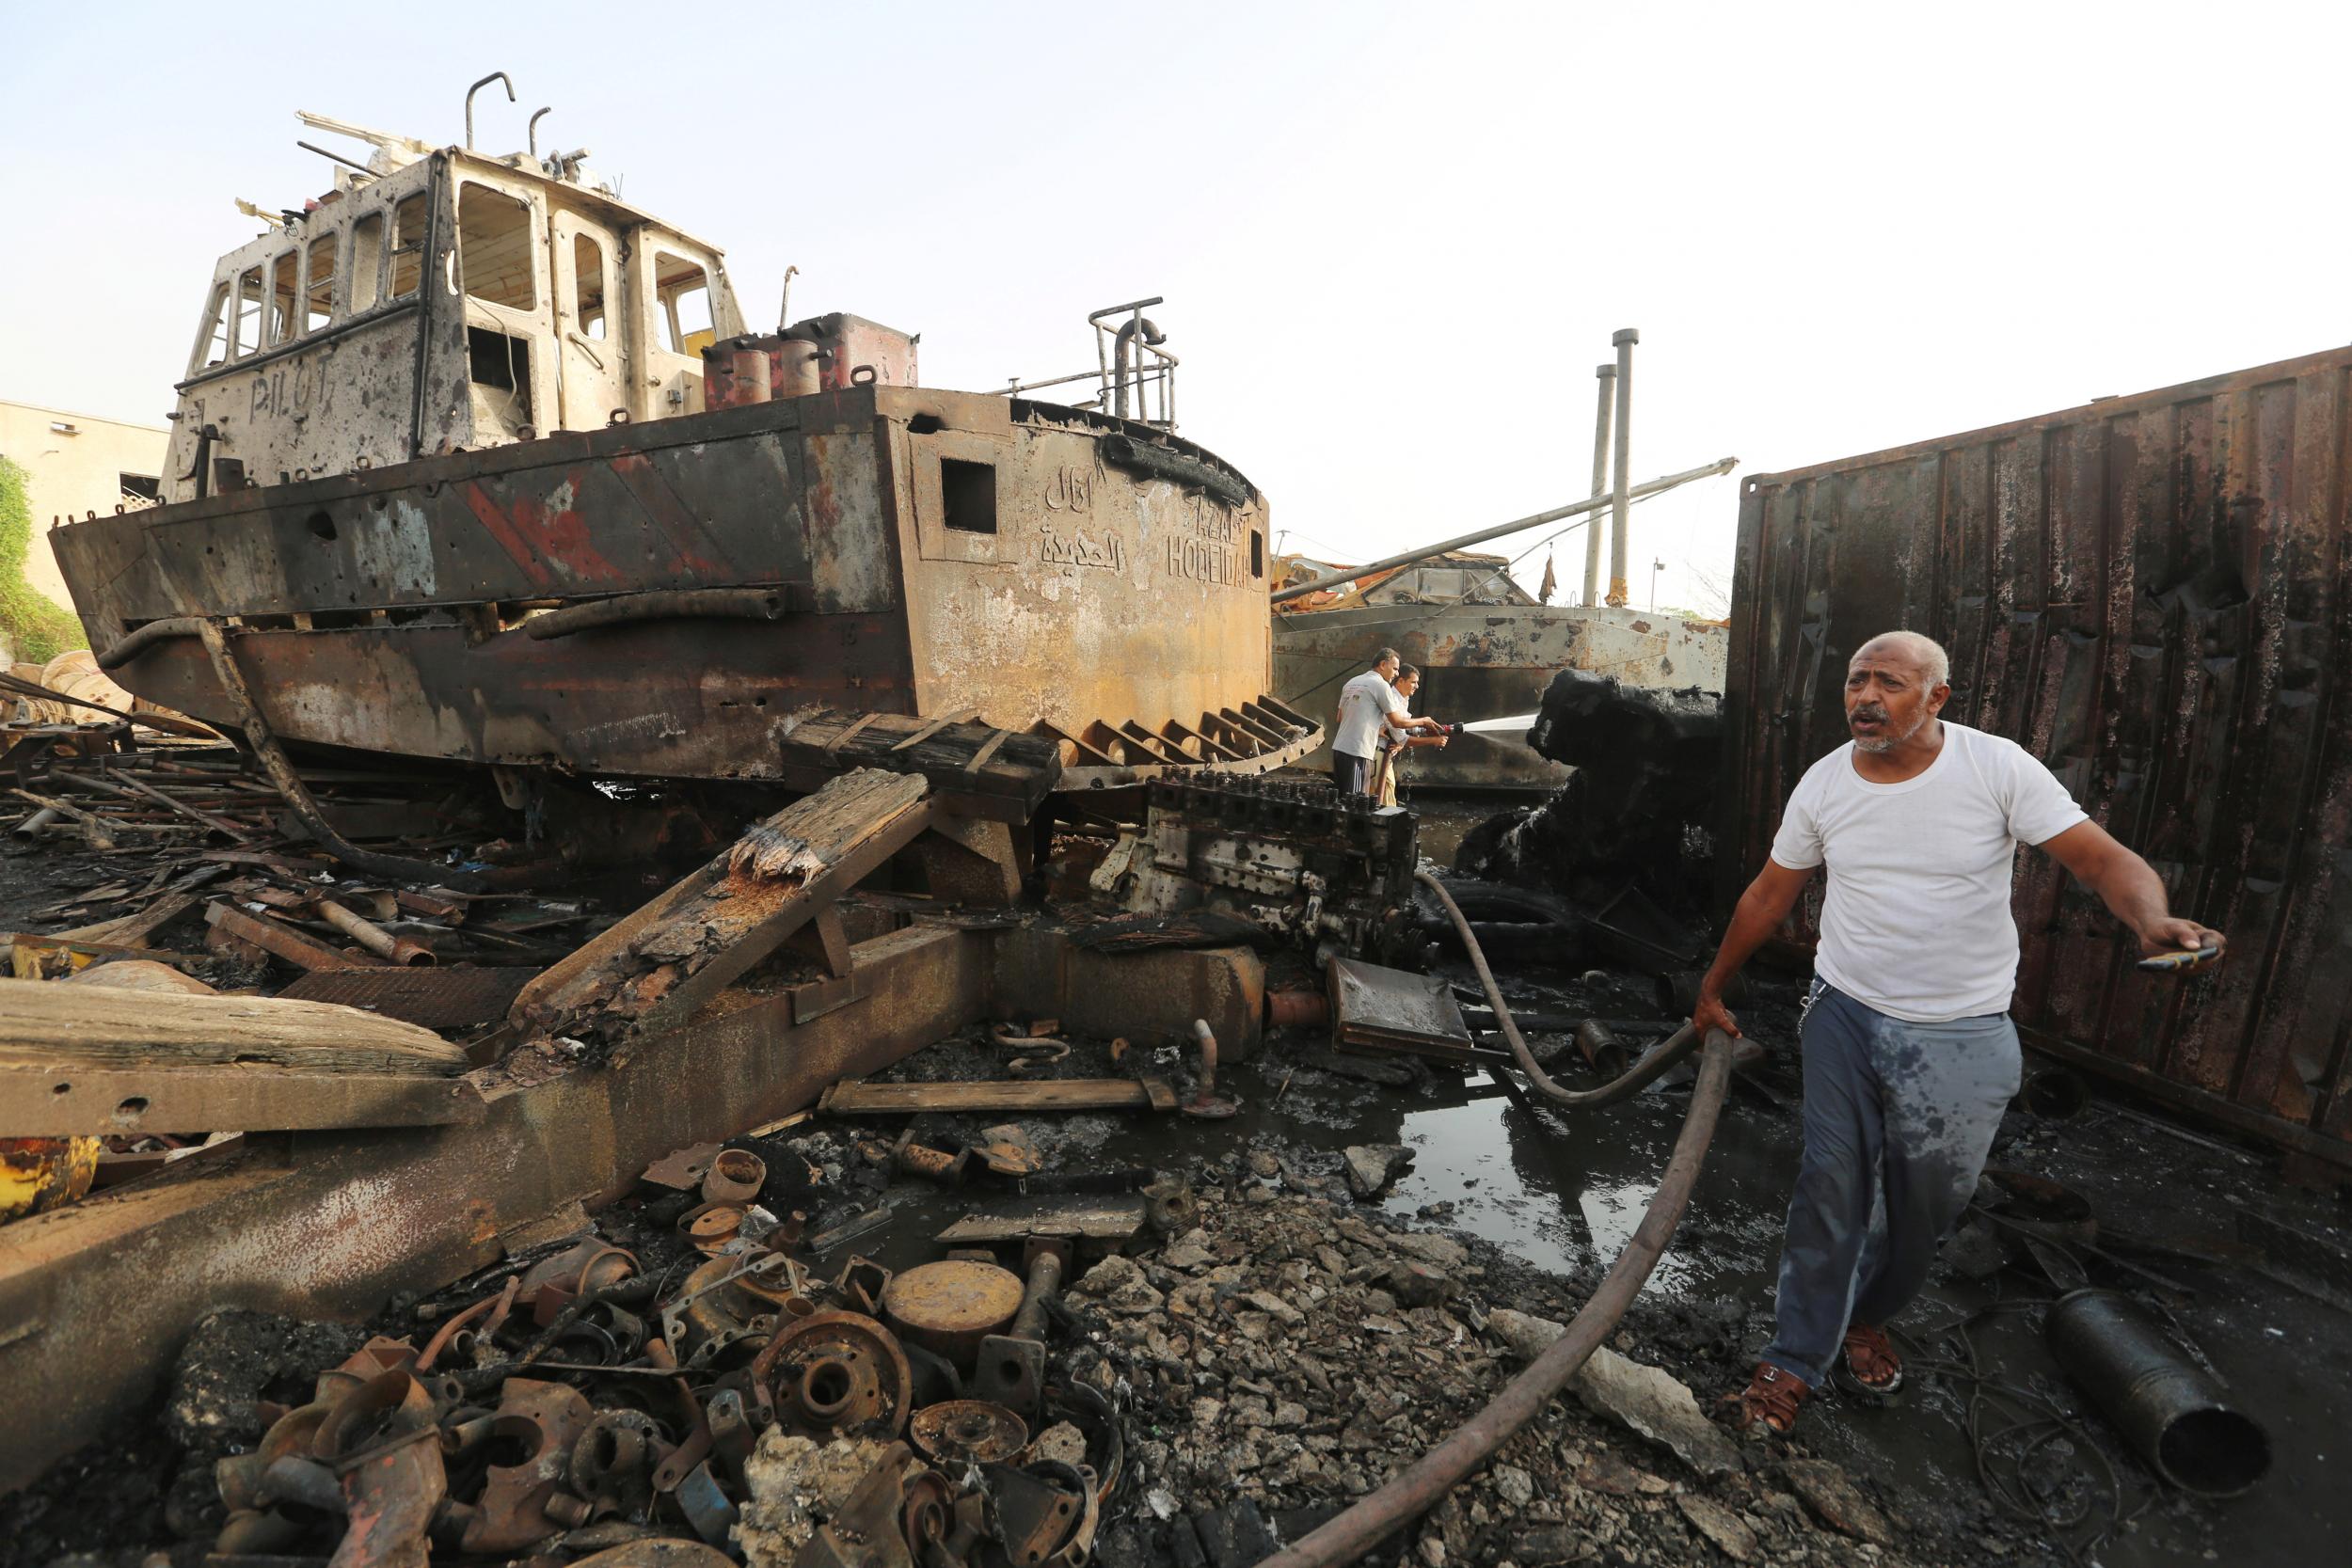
x=856 y=1097
x=58 y=1101
x=933 y=727
x=89 y=1059
x=1014 y=774
x=132 y=931
x=718 y=922
x=43 y=1023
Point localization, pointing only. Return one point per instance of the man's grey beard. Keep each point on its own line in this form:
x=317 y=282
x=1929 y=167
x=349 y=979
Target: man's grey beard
x=1887 y=743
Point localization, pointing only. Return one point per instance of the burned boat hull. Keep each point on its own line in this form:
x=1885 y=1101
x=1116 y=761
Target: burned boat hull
x=1486 y=661
x=872 y=549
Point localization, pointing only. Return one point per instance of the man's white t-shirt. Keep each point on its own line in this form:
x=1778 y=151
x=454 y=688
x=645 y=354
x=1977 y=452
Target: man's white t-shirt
x=1389 y=734
x=1365 y=704
x=1916 y=923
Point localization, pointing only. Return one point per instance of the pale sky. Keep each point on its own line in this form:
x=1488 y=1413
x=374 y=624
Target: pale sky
x=1393 y=240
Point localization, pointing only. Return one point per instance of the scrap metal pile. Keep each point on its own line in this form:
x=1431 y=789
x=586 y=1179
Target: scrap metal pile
x=737 y=1399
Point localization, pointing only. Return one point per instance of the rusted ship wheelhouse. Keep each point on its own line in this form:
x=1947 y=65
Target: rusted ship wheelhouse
x=456 y=301
x=474 y=464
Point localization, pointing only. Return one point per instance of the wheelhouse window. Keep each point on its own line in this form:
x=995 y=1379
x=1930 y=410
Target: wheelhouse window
x=212 y=339
x=408 y=227
x=494 y=247
x=249 y=317
x=682 y=289
x=967 y=493
x=588 y=286
x=285 y=291
x=319 y=283
x=367 y=260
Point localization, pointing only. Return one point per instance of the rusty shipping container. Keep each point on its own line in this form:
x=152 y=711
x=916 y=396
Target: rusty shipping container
x=2150 y=593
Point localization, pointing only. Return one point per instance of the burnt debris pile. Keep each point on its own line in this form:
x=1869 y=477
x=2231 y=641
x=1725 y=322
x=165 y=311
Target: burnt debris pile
x=1638 y=803
x=708 y=1372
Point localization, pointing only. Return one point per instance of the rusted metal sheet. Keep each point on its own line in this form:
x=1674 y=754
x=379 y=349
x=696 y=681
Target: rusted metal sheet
x=455 y=998
x=2150 y=594
x=1376 y=1008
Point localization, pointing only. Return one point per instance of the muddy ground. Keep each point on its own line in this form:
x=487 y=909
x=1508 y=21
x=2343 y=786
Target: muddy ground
x=1294 y=1344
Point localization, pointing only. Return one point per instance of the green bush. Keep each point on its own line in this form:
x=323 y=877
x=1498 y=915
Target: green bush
x=37 y=629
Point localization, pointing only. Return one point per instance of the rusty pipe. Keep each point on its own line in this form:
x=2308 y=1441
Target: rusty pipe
x=1607 y=375
x=123 y=649
x=663 y=604
x=1044 y=1279
x=377 y=939
x=1122 y=357
x=494 y=76
x=1297 y=1010
x=2174 y=1415
x=784 y=301
x=532 y=131
x=1416 y=1489
x=1479 y=536
x=1206 y=1102
x=2053 y=1094
x=1619 y=500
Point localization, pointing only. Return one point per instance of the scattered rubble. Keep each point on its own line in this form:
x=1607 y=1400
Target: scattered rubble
x=1283 y=1378
x=1650 y=1401
x=1371 y=1169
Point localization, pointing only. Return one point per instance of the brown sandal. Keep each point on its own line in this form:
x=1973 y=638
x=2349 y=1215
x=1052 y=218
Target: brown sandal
x=1871 y=1361
x=1770 y=1400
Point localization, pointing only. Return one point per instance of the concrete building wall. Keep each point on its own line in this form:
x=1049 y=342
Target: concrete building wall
x=77 y=464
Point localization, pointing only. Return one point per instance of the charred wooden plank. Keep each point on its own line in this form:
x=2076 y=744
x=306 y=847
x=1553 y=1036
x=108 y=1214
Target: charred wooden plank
x=88 y=1059
x=857 y=1098
x=654 y=967
x=1007 y=776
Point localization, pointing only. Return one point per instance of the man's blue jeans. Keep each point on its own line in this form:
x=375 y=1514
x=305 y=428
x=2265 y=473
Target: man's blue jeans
x=1899 y=1118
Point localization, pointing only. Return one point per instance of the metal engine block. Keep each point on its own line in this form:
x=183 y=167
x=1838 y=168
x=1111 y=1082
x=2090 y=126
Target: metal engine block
x=1301 y=860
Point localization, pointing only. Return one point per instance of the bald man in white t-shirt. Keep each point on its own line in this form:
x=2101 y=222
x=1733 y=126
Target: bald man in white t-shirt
x=1910 y=1056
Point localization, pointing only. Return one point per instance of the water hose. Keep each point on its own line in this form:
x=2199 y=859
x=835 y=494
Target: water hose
x=1418 y=1488
x=1681 y=1043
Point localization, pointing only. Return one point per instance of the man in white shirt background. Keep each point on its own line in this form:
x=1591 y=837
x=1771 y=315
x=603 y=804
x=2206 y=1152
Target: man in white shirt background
x=1910 y=1056
x=1366 y=702
x=1395 y=742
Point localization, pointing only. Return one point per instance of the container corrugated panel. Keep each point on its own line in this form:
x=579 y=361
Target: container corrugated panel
x=2152 y=595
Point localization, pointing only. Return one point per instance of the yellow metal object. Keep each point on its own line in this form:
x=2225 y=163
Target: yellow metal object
x=41 y=959
x=951 y=1307
x=43 y=1173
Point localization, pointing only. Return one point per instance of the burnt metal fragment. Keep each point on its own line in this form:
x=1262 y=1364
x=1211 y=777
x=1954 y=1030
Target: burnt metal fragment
x=964 y=1431
x=2173 y=1413
x=832 y=1375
